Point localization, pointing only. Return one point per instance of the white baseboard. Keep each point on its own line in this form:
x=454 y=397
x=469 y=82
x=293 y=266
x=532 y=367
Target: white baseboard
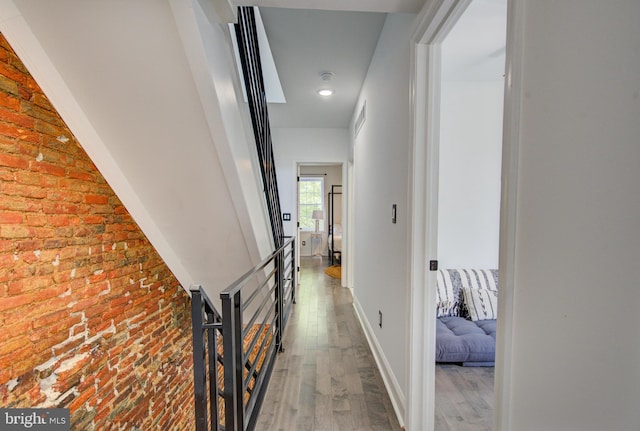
x=389 y=379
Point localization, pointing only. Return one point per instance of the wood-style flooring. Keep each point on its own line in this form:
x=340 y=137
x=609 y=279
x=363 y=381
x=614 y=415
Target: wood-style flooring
x=326 y=379
x=464 y=398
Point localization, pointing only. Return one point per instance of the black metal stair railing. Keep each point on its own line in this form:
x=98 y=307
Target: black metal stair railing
x=252 y=70
x=234 y=352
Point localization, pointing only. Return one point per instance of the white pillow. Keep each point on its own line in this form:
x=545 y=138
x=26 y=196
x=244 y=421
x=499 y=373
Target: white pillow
x=481 y=303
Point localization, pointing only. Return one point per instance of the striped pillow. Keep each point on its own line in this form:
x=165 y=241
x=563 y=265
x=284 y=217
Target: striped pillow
x=482 y=304
x=447 y=296
x=479 y=278
x=450 y=283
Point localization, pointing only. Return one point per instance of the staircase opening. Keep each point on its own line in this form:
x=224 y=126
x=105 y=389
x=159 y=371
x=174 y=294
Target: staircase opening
x=235 y=350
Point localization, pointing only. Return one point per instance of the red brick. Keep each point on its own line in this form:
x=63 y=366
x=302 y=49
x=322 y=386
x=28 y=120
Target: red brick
x=28 y=285
x=9 y=358
x=92 y=219
x=13 y=161
x=15 y=231
x=15 y=203
x=44 y=341
x=29 y=245
x=25 y=191
x=36 y=220
x=48 y=319
x=59 y=208
x=5 y=376
x=96 y=199
x=81 y=399
x=9 y=72
x=81 y=175
x=11 y=217
x=47 y=168
x=31 y=150
x=14 y=131
x=40 y=100
x=18 y=119
x=37 y=112
x=8 y=101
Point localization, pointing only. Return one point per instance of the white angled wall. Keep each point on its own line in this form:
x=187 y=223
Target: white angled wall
x=576 y=350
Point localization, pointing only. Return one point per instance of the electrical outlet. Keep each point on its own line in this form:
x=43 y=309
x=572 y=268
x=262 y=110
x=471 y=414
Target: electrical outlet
x=380 y=318
x=304 y=242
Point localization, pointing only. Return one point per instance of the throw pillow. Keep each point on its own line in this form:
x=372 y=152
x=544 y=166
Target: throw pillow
x=482 y=304
x=446 y=299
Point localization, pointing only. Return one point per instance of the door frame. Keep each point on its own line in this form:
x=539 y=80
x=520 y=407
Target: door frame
x=432 y=25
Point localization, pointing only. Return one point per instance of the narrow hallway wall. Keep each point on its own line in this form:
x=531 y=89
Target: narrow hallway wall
x=381 y=162
x=92 y=319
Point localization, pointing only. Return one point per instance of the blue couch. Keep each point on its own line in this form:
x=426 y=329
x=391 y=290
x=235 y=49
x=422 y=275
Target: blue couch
x=467 y=311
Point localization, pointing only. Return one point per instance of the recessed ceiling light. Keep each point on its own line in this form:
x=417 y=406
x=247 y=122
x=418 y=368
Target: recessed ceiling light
x=325 y=92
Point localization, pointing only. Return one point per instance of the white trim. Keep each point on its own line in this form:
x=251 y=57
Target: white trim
x=510 y=158
x=389 y=379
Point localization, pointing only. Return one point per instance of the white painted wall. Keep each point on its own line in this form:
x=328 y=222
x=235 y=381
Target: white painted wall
x=381 y=164
x=306 y=146
x=575 y=349
x=469 y=184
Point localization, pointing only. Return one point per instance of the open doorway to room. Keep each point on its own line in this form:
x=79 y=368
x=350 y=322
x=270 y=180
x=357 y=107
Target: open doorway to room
x=468 y=207
x=320 y=213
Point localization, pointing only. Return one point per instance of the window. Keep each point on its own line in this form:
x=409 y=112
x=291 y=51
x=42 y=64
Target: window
x=311 y=197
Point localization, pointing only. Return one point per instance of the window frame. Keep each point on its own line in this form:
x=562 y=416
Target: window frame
x=314 y=206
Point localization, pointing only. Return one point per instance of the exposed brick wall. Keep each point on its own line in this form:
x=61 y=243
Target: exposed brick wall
x=90 y=316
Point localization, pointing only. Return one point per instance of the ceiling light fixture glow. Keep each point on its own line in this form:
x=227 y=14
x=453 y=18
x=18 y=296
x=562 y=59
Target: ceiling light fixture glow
x=325 y=92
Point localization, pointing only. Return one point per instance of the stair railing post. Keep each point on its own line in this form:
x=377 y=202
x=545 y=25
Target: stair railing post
x=294 y=272
x=212 y=353
x=232 y=361
x=199 y=364
x=279 y=300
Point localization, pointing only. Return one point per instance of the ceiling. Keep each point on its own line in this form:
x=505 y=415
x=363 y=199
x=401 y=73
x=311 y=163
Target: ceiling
x=305 y=43
x=309 y=37
x=468 y=57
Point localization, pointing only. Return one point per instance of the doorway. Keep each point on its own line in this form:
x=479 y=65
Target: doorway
x=468 y=202
x=439 y=93
x=320 y=210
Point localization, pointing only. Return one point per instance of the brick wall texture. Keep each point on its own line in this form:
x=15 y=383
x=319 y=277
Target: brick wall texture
x=91 y=319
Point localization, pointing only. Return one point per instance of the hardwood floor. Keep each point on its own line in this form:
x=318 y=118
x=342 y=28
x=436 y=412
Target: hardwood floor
x=327 y=379
x=464 y=398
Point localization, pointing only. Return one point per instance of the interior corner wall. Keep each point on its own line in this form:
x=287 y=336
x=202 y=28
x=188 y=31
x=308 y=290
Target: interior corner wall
x=293 y=146
x=381 y=166
x=575 y=352
x=469 y=173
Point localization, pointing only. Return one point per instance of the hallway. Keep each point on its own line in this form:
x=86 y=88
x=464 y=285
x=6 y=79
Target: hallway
x=327 y=379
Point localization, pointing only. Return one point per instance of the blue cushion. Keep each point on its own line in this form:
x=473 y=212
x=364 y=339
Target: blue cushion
x=461 y=340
